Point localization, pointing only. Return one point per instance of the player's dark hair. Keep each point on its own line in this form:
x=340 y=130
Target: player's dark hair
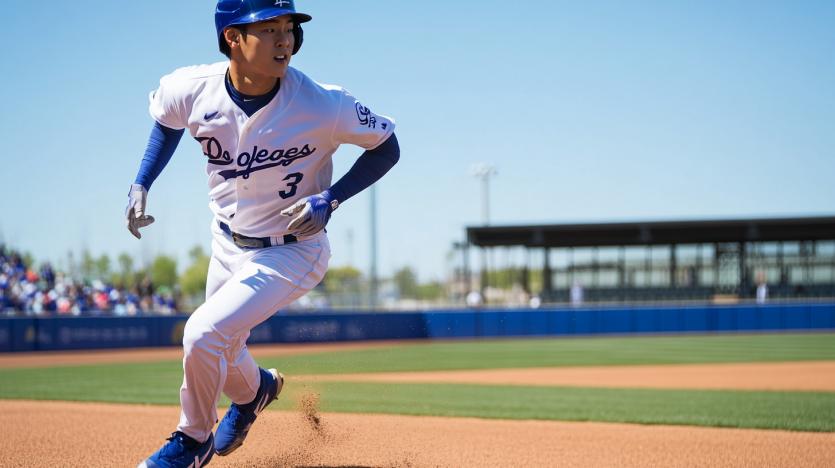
x=224 y=46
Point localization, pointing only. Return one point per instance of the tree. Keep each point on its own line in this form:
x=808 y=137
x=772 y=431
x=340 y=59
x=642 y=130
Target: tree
x=431 y=291
x=71 y=266
x=92 y=268
x=28 y=260
x=193 y=280
x=125 y=263
x=164 y=271
x=342 y=280
x=406 y=281
x=125 y=276
x=102 y=267
x=505 y=278
x=87 y=267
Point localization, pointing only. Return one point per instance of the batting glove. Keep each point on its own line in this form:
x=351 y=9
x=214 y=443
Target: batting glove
x=135 y=217
x=311 y=213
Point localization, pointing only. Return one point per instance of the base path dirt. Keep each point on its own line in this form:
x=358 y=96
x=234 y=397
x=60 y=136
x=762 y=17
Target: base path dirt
x=786 y=376
x=93 y=435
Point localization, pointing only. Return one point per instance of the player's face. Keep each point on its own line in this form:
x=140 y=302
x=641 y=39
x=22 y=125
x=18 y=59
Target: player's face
x=268 y=46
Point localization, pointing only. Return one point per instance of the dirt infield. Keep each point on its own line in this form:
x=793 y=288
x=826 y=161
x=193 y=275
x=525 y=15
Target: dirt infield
x=786 y=376
x=93 y=435
x=171 y=353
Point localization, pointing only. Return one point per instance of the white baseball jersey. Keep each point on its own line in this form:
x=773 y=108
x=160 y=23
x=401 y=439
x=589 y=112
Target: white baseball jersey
x=260 y=165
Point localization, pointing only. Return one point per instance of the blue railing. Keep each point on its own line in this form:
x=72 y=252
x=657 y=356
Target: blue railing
x=54 y=334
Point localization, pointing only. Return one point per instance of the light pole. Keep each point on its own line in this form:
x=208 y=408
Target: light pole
x=484 y=172
x=373 y=292
x=350 y=235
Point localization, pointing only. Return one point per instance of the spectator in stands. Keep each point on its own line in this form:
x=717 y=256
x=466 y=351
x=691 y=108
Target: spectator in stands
x=576 y=294
x=536 y=302
x=47 y=274
x=474 y=300
x=146 y=288
x=132 y=305
x=762 y=288
x=145 y=305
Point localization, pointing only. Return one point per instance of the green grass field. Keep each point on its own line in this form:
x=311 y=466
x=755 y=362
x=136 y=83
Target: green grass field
x=799 y=411
x=159 y=382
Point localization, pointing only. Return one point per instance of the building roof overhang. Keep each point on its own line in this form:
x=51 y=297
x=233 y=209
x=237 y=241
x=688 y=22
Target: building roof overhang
x=655 y=233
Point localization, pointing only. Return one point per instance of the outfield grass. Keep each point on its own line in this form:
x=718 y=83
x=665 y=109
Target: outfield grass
x=564 y=352
x=159 y=382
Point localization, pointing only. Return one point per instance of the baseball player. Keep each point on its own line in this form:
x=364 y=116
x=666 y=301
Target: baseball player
x=268 y=133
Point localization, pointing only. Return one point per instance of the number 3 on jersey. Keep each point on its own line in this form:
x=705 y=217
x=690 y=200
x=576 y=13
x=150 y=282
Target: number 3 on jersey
x=297 y=177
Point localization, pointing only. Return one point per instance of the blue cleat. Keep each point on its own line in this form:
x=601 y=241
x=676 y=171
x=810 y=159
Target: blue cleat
x=235 y=425
x=181 y=451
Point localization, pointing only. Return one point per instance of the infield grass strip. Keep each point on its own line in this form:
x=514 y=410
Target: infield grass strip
x=793 y=411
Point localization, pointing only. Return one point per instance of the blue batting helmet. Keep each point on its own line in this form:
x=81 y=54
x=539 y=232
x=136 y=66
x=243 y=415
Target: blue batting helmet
x=232 y=12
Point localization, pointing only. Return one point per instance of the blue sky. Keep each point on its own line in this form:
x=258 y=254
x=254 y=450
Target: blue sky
x=590 y=111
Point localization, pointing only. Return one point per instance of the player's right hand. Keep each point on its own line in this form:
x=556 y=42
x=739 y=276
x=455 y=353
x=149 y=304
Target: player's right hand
x=311 y=213
x=135 y=217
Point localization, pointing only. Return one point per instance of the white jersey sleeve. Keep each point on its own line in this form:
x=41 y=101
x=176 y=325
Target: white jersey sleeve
x=357 y=125
x=171 y=102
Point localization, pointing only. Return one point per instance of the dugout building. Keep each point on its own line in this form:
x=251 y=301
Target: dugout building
x=680 y=260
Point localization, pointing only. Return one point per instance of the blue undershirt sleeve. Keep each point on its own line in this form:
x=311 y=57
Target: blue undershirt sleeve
x=369 y=168
x=161 y=147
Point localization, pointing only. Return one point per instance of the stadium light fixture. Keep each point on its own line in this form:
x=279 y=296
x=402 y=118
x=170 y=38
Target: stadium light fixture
x=484 y=172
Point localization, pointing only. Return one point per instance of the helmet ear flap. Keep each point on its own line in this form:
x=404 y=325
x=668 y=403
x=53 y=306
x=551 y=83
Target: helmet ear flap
x=298 y=34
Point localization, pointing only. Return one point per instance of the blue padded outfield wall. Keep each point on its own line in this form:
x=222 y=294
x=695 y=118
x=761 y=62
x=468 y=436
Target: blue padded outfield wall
x=55 y=334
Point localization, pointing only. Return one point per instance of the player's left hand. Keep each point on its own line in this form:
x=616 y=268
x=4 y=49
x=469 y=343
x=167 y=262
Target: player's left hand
x=135 y=216
x=311 y=213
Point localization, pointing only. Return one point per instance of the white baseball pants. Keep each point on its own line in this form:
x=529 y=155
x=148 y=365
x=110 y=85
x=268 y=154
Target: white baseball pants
x=244 y=288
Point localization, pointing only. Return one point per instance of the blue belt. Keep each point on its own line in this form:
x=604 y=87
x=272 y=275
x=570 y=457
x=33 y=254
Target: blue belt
x=247 y=242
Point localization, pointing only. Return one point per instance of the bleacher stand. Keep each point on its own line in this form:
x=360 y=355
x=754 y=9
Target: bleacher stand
x=43 y=293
